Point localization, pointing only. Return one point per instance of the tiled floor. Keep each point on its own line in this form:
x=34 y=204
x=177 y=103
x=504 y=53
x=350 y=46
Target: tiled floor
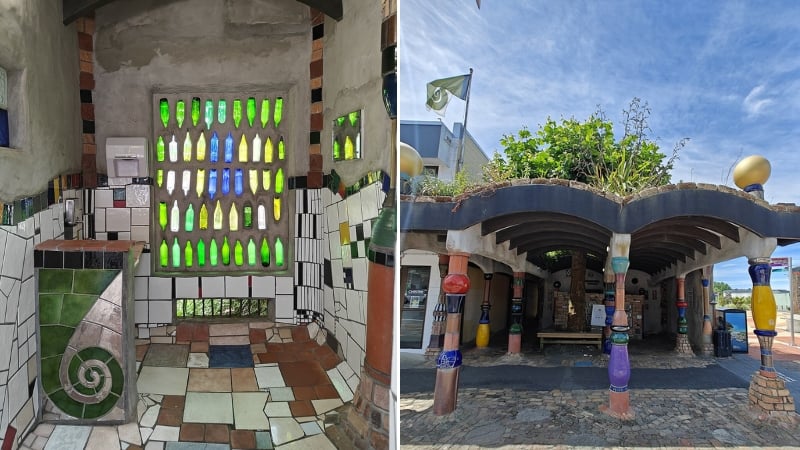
x=208 y=390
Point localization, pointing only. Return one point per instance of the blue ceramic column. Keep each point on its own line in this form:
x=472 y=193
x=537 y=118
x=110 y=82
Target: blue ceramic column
x=682 y=345
x=610 y=306
x=619 y=367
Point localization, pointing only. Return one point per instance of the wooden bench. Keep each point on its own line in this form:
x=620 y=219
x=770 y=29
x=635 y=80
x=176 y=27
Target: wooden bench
x=568 y=337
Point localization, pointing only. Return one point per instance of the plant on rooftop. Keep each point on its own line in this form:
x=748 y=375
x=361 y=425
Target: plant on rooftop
x=432 y=186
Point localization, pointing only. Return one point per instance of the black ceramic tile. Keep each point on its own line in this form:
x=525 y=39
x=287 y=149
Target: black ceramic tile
x=360 y=232
x=112 y=260
x=53 y=260
x=318 y=32
x=93 y=260
x=73 y=260
x=314 y=137
x=300 y=182
x=38 y=258
x=328 y=273
x=88 y=126
x=86 y=96
x=316 y=95
x=229 y=356
x=113 y=235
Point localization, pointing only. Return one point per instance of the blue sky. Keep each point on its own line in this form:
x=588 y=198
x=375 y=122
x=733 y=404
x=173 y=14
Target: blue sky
x=724 y=74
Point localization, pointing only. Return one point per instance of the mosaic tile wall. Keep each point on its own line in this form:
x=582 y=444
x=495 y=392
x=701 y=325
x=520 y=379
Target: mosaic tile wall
x=18 y=363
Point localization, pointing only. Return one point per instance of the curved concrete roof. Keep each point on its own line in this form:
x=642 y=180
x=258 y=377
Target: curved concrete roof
x=668 y=224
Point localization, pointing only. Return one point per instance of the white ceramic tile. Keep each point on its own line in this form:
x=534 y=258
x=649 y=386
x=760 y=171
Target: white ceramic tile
x=269 y=377
x=118 y=219
x=345 y=370
x=325 y=405
x=186 y=287
x=315 y=442
x=337 y=273
x=278 y=394
x=310 y=428
x=354 y=208
x=163 y=380
x=68 y=437
x=13 y=300
x=343 y=216
x=27 y=300
x=101 y=236
x=103 y=198
x=284 y=306
x=140 y=216
x=277 y=409
x=143 y=267
x=124 y=236
x=205 y=407
x=341 y=385
x=130 y=433
x=137 y=195
x=140 y=290
x=284 y=285
x=248 y=410
x=214 y=287
x=235 y=287
x=12 y=266
x=197 y=360
x=164 y=433
x=140 y=233
x=285 y=430
x=369 y=202
x=154 y=445
x=140 y=311
x=332 y=217
x=160 y=311
x=264 y=287
x=160 y=288
x=103 y=438
x=360 y=274
x=46 y=225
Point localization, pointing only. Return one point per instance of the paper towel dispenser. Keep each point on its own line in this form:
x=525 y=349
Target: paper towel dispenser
x=126 y=157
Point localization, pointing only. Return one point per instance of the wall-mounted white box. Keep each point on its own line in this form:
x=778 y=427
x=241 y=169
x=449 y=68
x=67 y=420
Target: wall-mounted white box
x=126 y=157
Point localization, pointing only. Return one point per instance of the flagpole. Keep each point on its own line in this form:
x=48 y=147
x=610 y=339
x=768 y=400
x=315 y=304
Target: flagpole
x=460 y=154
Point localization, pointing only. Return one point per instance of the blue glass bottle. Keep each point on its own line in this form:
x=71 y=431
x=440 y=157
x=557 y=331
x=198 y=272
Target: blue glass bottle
x=214 y=157
x=212 y=183
x=229 y=148
x=238 y=182
x=226 y=181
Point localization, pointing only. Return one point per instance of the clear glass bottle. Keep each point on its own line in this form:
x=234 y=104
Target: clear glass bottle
x=174 y=218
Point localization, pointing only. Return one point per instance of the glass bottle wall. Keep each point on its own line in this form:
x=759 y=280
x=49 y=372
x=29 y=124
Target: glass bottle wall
x=225 y=156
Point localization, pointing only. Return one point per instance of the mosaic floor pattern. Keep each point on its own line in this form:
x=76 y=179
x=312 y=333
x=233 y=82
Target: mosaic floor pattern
x=196 y=392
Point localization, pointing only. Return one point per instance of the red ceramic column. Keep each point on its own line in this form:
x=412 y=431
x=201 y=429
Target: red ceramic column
x=455 y=285
x=439 y=313
x=515 y=330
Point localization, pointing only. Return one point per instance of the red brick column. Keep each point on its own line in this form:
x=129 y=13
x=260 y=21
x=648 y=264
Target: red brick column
x=316 y=119
x=85 y=27
x=515 y=330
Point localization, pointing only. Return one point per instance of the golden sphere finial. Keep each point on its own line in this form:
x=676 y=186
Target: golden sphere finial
x=410 y=161
x=754 y=169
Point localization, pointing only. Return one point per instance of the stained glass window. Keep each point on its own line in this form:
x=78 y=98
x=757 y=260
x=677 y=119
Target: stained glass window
x=221 y=207
x=346 y=143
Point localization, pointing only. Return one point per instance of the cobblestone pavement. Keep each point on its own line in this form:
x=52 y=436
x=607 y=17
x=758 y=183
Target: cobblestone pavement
x=507 y=418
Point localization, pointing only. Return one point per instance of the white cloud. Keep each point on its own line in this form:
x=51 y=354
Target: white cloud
x=755 y=103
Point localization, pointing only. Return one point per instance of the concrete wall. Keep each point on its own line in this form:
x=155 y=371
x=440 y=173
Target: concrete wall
x=200 y=46
x=352 y=81
x=40 y=55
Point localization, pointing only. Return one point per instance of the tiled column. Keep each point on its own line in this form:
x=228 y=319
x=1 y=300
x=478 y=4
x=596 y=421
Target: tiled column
x=456 y=285
x=439 y=313
x=315 y=179
x=682 y=346
x=515 y=330
x=484 y=330
x=608 y=300
x=619 y=367
x=85 y=26
x=708 y=344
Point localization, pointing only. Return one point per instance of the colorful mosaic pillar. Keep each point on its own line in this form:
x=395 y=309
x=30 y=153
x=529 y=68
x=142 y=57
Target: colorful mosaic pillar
x=484 y=330
x=439 y=313
x=610 y=305
x=682 y=346
x=448 y=365
x=708 y=344
x=768 y=393
x=515 y=331
x=619 y=367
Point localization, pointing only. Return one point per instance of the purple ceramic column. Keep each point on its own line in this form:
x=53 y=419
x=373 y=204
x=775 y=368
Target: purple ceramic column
x=619 y=367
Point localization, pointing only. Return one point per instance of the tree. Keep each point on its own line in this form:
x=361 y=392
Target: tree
x=720 y=287
x=588 y=152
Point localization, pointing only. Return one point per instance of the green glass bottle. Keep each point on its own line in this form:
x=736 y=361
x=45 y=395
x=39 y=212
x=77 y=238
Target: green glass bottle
x=160 y=177
x=180 y=112
x=203 y=225
x=279 y=181
x=337 y=150
x=251 y=252
x=163 y=106
x=189 y=221
x=188 y=254
x=176 y=253
x=163 y=253
x=264 y=252
x=247 y=212
x=237 y=112
x=201 y=253
x=353 y=116
x=251 y=110
x=195 y=111
x=160 y=149
x=238 y=253
x=281 y=149
x=209 y=113
x=278 y=111
x=222 y=111
x=212 y=253
x=162 y=215
x=264 y=112
x=278 y=252
x=226 y=252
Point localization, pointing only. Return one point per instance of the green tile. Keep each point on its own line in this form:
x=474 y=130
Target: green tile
x=100 y=409
x=50 y=379
x=95 y=353
x=354 y=249
x=75 y=307
x=55 y=339
x=66 y=404
x=117 y=377
x=264 y=440
x=86 y=390
x=50 y=308
x=56 y=281
x=93 y=281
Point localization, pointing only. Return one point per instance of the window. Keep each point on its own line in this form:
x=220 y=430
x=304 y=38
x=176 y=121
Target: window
x=347 y=137
x=431 y=171
x=414 y=280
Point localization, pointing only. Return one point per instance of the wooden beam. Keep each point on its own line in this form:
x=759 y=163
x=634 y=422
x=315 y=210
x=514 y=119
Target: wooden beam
x=331 y=8
x=75 y=9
